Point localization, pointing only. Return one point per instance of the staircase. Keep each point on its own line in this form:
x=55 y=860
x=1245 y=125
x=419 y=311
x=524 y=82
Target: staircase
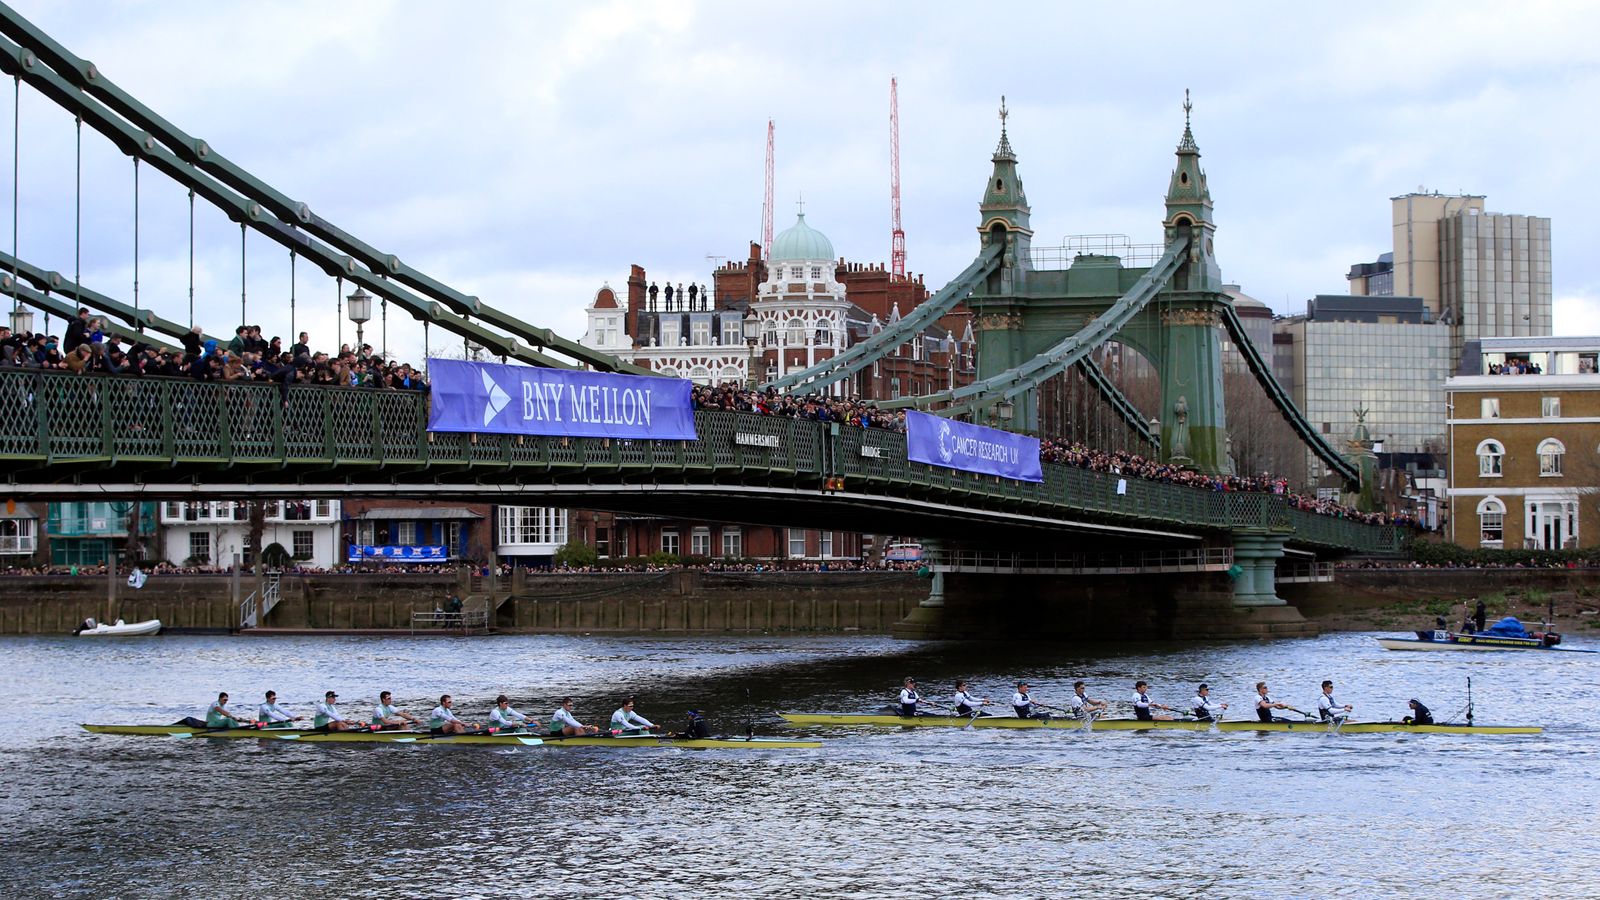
x=253 y=613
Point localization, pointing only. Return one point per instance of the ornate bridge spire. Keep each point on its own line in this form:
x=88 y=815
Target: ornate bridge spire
x=1187 y=145
x=1003 y=150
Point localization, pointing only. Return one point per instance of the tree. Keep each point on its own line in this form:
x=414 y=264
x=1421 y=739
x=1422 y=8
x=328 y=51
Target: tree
x=275 y=557
x=575 y=554
x=1260 y=439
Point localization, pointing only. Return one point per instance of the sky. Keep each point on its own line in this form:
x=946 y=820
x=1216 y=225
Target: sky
x=529 y=153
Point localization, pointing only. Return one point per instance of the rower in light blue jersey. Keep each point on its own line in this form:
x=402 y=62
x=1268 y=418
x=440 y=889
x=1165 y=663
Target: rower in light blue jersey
x=626 y=720
x=274 y=715
x=443 y=719
x=563 y=722
x=387 y=715
x=328 y=716
x=503 y=716
x=219 y=716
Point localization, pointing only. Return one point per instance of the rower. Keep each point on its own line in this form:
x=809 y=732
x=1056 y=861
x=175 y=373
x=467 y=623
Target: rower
x=443 y=719
x=1204 y=709
x=328 y=717
x=909 y=698
x=274 y=715
x=1082 y=705
x=1142 y=706
x=219 y=716
x=506 y=718
x=563 y=722
x=1329 y=709
x=1021 y=702
x=387 y=715
x=966 y=704
x=1265 y=705
x=1419 y=714
x=626 y=720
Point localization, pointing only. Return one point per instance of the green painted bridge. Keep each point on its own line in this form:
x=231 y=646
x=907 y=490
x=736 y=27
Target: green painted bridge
x=65 y=436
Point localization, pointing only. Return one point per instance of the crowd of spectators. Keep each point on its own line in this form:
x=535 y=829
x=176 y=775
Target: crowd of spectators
x=1515 y=367
x=89 y=347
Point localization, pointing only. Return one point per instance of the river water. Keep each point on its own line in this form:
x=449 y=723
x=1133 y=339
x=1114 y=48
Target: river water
x=874 y=813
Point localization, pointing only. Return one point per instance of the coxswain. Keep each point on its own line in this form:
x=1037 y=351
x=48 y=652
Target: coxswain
x=1329 y=709
x=966 y=704
x=1265 y=704
x=1419 y=714
x=1082 y=705
x=563 y=722
x=909 y=698
x=1022 y=702
x=625 y=719
x=503 y=716
x=443 y=719
x=1142 y=705
x=328 y=717
x=274 y=715
x=387 y=715
x=1205 y=709
x=219 y=716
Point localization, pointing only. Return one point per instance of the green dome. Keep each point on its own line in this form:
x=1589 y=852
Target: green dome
x=801 y=241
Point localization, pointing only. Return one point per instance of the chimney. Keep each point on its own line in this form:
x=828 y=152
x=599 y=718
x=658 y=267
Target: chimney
x=635 y=302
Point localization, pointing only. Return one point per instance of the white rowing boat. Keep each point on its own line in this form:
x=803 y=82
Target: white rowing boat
x=91 y=628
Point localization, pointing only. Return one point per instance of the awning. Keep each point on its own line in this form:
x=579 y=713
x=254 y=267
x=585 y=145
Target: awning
x=420 y=512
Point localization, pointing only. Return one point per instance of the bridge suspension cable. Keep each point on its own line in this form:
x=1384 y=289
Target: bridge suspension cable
x=858 y=357
x=79 y=87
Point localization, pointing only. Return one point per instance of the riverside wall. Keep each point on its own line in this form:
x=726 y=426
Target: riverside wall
x=680 y=601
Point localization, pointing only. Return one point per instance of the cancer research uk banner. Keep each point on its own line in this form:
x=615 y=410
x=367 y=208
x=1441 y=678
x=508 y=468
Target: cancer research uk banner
x=503 y=399
x=938 y=441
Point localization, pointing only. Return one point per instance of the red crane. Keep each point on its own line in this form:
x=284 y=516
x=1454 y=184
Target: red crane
x=766 y=204
x=897 y=248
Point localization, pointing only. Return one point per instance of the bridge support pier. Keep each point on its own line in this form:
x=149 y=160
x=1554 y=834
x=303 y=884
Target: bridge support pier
x=1256 y=555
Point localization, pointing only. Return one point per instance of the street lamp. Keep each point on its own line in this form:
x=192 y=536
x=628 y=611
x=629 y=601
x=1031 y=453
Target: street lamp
x=752 y=336
x=360 y=313
x=21 y=320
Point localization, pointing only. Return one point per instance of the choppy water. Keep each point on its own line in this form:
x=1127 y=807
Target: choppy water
x=883 y=813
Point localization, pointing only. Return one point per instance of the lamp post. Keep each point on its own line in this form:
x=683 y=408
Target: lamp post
x=360 y=307
x=473 y=349
x=752 y=337
x=21 y=320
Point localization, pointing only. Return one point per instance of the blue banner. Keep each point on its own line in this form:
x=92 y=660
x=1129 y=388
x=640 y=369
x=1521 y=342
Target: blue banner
x=390 y=553
x=501 y=399
x=938 y=441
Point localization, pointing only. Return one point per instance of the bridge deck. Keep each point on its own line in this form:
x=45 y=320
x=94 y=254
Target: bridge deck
x=162 y=437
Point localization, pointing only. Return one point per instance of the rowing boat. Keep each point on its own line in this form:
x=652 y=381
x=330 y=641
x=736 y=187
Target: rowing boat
x=1069 y=724
x=513 y=739
x=1452 y=640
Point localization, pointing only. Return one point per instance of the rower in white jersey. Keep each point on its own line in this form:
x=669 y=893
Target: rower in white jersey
x=562 y=721
x=1265 y=705
x=909 y=698
x=1082 y=705
x=503 y=716
x=626 y=720
x=1329 y=709
x=274 y=715
x=1142 y=705
x=219 y=716
x=328 y=716
x=966 y=704
x=1206 y=709
x=1021 y=702
x=387 y=715
x=443 y=719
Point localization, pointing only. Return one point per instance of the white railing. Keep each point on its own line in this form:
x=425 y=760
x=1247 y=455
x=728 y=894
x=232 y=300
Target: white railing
x=1292 y=572
x=249 y=615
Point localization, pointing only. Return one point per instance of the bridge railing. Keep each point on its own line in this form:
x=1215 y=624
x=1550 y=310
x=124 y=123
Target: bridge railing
x=53 y=418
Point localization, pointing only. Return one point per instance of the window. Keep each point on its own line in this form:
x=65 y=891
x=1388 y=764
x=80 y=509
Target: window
x=796 y=336
x=305 y=545
x=1491 y=522
x=825 y=333
x=453 y=540
x=173 y=511
x=602 y=541
x=797 y=272
x=732 y=543
x=825 y=544
x=1550 y=407
x=19 y=535
x=669 y=332
x=200 y=547
x=1490 y=456
x=200 y=511
x=621 y=548
x=366 y=533
x=1550 y=453
x=1490 y=408
x=532 y=525
x=700 y=333
x=732 y=331
x=406 y=533
x=769 y=333
x=700 y=542
x=669 y=541
x=797 y=543
x=324 y=509
x=816 y=273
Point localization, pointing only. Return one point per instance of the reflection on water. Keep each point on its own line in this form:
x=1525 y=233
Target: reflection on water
x=872 y=814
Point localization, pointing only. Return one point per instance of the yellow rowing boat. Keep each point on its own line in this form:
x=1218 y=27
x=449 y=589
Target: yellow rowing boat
x=1069 y=724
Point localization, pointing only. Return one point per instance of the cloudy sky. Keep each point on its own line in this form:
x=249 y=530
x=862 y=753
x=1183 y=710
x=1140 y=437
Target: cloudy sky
x=530 y=152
